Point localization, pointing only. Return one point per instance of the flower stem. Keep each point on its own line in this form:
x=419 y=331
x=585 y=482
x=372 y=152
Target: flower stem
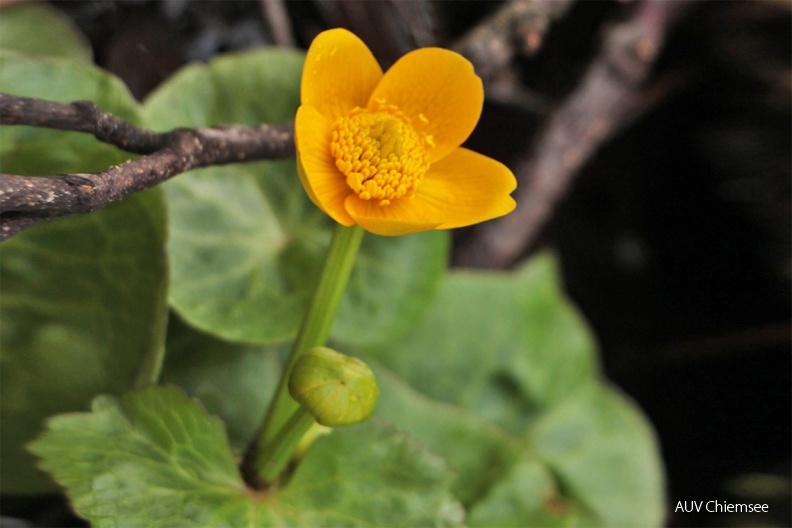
x=285 y=442
x=315 y=329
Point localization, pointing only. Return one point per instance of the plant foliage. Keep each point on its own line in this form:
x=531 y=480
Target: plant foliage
x=492 y=410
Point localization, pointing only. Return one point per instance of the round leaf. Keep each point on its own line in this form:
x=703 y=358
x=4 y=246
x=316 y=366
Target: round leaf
x=247 y=244
x=22 y=27
x=233 y=381
x=83 y=299
x=510 y=348
x=502 y=344
x=605 y=456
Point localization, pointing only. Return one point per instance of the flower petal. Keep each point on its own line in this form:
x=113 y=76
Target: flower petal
x=400 y=217
x=323 y=182
x=339 y=73
x=468 y=187
x=439 y=91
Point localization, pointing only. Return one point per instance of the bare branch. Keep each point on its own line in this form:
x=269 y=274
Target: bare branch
x=277 y=18
x=80 y=116
x=517 y=27
x=28 y=200
x=607 y=99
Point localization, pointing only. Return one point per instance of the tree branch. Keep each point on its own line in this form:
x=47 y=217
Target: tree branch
x=518 y=27
x=606 y=100
x=29 y=200
x=277 y=18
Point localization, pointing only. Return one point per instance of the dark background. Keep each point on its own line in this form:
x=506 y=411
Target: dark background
x=674 y=237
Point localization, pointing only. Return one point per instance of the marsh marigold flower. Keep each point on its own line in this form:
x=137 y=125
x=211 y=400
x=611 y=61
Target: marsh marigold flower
x=383 y=150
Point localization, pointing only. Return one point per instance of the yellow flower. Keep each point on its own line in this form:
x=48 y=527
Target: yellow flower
x=383 y=151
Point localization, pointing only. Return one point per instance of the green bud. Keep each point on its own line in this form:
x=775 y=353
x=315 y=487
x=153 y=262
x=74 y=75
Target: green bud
x=336 y=389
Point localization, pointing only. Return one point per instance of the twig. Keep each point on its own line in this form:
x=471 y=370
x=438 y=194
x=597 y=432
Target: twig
x=80 y=116
x=29 y=200
x=277 y=18
x=607 y=99
x=518 y=27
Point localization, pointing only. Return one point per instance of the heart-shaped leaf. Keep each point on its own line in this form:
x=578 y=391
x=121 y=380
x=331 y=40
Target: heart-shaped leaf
x=247 y=244
x=22 y=27
x=83 y=299
x=510 y=348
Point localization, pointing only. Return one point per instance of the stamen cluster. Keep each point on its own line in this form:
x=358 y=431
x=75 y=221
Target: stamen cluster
x=381 y=154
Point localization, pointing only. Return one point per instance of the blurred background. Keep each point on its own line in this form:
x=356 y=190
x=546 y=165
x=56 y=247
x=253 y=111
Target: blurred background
x=651 y=141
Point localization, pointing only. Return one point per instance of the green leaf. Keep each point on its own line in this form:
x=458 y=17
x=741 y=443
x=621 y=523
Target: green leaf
x=83 y=299
x=590 y=461
x=247 y=244
x=154 y=458
x=503 y=344
x=233 y=381
x=528 y=495
x=605 y=456
x=479 y=452
x=508 y=347
x=371 y=475
x=83 y=310
x=22 y=27
x=151 y=458
x=392 y=285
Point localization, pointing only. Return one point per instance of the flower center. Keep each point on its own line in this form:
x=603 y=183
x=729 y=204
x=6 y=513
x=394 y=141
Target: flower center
x=381 y=154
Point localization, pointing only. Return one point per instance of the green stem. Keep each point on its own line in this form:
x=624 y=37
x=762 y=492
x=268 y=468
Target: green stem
x=315 y=329
x=285 y=442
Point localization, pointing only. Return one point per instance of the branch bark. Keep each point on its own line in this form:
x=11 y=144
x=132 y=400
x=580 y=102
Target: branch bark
x=607 y=99
x=26 y=201
x=517 y=28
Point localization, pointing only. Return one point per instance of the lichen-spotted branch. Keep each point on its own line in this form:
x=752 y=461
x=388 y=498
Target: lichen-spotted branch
x=610 y=95
x=26 y=201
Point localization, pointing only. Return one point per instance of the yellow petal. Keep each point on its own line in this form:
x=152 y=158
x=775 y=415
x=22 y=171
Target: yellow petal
x=468 y=187
x=339 y=73
x=401 y=217
x=323 y=182
x=439 y=91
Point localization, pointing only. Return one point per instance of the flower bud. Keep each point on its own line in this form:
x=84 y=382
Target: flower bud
x=334 y=388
